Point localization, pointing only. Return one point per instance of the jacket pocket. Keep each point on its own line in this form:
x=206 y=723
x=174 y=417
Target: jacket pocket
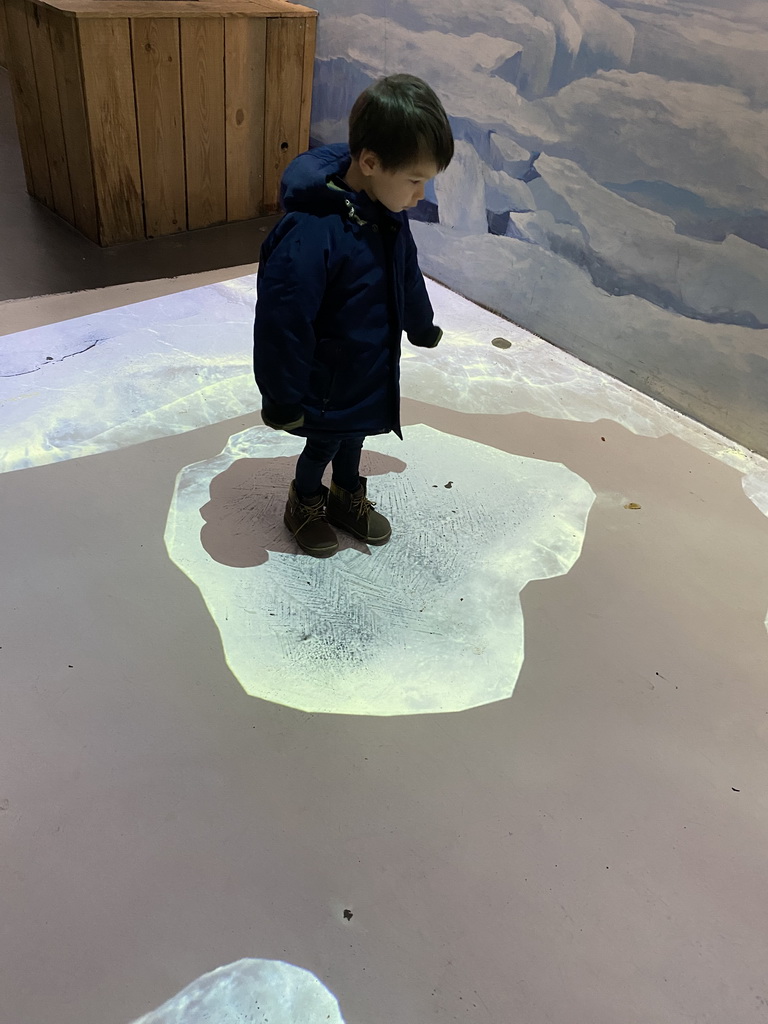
x=330 y=387
x=323 y=381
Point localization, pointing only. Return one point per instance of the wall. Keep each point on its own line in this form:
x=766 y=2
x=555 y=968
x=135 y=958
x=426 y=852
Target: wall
x=610 y=188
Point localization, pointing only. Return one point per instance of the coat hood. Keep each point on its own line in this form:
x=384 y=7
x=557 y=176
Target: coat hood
x=312 y=184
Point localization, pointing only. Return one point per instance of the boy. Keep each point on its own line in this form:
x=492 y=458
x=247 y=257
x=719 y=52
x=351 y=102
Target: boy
x=338 y=282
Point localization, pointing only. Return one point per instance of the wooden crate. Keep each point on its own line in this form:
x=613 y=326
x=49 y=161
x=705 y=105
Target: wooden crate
x=3 y=37
x=140 y=118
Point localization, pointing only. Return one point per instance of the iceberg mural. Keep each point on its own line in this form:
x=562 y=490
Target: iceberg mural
x=611 y=158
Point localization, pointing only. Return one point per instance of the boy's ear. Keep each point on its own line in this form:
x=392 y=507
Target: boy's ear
x=369 y=162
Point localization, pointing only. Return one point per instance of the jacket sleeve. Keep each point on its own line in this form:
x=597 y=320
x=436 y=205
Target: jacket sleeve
x=419 y=315
x=291 y=284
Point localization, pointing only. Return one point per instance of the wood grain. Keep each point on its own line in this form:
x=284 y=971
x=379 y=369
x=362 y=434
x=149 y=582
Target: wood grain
x=246 y=51
x=157 y=73
x=50 y=113
x=27 y=103
x=66 y=63
x=108 y=84
x=282 y=119
x=310 y=44
x=3 y=37
x=202 y=63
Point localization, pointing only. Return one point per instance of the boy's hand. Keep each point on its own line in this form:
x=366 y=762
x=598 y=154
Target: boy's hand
x=283 y=417
x=429 y=339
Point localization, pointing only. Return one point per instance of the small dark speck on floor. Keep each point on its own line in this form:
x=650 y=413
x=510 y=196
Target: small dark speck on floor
x=501 y=343
x=735 y=790
x=449 y=485
x=348 y=915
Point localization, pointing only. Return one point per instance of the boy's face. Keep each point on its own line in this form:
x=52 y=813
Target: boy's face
x=397 y=190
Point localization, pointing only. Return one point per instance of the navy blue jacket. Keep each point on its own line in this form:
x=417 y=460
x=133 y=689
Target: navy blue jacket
x=338 y=283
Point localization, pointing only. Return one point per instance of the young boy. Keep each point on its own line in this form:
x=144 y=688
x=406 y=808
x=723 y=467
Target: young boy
x=338 y=283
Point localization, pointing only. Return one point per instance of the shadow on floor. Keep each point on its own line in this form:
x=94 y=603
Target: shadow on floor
x=244 y=517
x=43 y=255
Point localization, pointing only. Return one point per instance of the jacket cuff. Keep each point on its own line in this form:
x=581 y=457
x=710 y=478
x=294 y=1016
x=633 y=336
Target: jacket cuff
x=427 y=339
x=283 y=417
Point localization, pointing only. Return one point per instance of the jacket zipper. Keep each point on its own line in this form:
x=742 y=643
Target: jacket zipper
x=329 y=390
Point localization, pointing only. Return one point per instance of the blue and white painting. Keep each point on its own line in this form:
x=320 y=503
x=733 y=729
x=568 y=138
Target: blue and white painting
x=610 y=185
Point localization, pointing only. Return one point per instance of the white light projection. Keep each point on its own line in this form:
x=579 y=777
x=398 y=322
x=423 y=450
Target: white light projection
x=176 y=363
x=124 y=376
x=250 y=992
x=432 y=622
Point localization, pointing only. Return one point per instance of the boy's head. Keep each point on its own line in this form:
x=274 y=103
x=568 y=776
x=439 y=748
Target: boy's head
x=399 y=138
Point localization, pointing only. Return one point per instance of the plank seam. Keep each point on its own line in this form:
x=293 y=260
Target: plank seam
x=89 y=135
x=61 y=118
x=28 y=8
x=136 y=122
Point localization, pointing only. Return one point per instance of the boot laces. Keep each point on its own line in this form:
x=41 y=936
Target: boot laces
x=312 y=513
x=361 y=505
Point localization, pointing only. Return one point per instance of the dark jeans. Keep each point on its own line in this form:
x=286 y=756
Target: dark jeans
x=318 y=454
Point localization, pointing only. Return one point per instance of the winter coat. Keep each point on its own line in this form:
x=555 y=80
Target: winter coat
x=338 y=283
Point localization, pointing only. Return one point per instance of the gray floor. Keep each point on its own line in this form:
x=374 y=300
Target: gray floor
x=590 y=850
x=42 y=255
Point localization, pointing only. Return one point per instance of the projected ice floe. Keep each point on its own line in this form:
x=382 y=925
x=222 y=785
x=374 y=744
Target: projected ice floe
x=432 y=622
x=250 y=992
x=123 y=376
x=183 y=361
x=172 y=364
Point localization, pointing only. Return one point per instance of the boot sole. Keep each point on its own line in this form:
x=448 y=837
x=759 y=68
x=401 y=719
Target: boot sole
x=315 y=552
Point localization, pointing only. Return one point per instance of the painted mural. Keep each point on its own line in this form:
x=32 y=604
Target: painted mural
x=610 y=186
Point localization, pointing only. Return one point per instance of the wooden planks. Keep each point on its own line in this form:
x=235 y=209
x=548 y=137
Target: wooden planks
x=202 y=62
x=3 y=37
x=66 y=63
x=310 y=43
x=282 y=117
x=137 y=127
x=108 y=85
x=17 y=100
x=27 y=102
x=157 y=77
x=245 y=53
x=50 y=112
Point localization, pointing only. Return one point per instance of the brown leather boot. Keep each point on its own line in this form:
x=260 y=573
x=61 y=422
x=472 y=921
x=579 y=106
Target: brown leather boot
x=357 y=515
x=307 y=522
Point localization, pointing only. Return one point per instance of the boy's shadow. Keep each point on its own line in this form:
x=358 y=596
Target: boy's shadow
x=244 y=517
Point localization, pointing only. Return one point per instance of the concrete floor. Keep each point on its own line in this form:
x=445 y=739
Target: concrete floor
x=589 y=850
